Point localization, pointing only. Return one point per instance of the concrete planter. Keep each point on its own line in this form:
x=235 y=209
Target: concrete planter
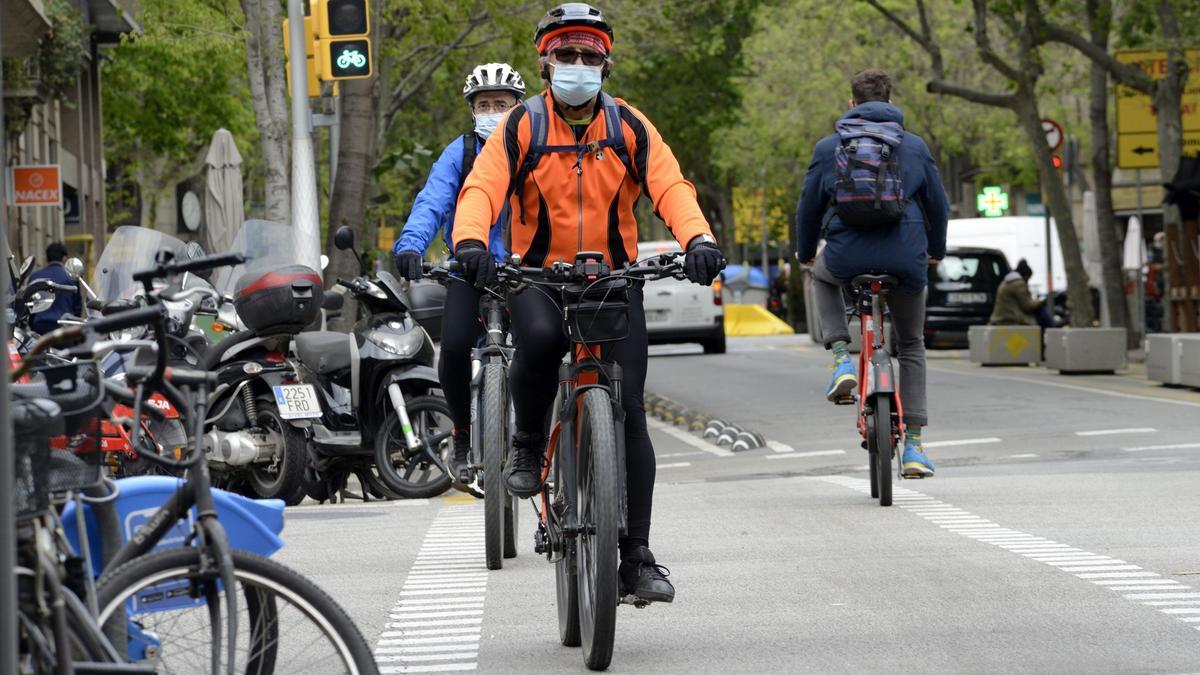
x=1189 y=359
x=1005 y=345
x=1163 y=362
x=1085 y=350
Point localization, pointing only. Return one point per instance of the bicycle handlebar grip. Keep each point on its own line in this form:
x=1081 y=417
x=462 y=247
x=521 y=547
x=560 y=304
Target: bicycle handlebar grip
x=190 y=376
x=209 y=262
x=145 y=316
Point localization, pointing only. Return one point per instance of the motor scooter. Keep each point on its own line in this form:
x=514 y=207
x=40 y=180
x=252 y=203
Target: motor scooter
x=380 y=418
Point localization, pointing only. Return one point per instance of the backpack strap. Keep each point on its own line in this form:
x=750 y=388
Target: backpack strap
x=885 y=156
x=468 y=158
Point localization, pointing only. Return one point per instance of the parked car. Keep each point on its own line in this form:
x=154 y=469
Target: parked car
x=962 y=292
x=680 y=311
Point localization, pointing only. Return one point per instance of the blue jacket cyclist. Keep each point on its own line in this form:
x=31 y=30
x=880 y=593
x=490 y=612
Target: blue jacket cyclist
x=491 y=89
x=904 y=249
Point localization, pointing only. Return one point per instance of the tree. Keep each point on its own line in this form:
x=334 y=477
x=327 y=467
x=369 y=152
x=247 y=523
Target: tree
x=1171 y=17
x=264 y=61
x=168 y=89
x=1022 y=75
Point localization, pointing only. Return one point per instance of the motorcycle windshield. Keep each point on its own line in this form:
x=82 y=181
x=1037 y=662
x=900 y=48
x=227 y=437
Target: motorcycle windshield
x=267 y=246
x=131 y=249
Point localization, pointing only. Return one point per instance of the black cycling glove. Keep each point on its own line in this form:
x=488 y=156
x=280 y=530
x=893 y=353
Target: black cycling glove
x=408 y=264
x=477 y=265
x=703 y=262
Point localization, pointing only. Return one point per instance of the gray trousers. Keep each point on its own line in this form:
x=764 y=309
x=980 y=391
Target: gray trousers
x=908 y=316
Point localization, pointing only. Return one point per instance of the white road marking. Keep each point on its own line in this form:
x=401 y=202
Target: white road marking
x=1176 y=446
x=965 y=441
x=800 y=455
x=1073 y=387
x=670 y=455
x=680 y=435
x=435 y=626
x=1114 y=432
x=1024 y=455
x=674 y=465
x=780 y=447
x=1103 y=571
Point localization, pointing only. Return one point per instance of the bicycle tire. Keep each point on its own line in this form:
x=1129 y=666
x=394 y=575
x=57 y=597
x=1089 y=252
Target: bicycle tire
x=882 y=463
x=872 y=465
x=492 y=438
x=566 y=583
x=383 y=456
x=265 y=582
x=596 y=544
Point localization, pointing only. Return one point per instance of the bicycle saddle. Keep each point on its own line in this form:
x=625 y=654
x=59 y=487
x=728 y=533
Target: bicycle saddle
x=863 y=281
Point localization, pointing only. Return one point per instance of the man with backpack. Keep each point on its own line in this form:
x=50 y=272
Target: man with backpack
x=491 y=90
x=572 y=164
x=873 y=191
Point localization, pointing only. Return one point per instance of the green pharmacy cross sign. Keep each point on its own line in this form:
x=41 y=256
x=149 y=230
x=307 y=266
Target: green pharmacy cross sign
x=993 y=201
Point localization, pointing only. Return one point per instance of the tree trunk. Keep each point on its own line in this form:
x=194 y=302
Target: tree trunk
x=1079 y=298
x=1099 y=19
x=348 y=202
x=1169 y=106
x=266 y=76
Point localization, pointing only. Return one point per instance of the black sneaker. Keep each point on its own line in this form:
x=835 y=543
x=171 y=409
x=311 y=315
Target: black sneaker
x=641 y=576
x=524 y=472
x=460 y=461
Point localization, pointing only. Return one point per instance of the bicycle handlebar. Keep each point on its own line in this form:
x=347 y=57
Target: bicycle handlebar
x=129 y=318
x=208 y=262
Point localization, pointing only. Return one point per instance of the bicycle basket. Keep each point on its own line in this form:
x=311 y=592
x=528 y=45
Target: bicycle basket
x=598 y=312
x=34 y=421
x=75 y=455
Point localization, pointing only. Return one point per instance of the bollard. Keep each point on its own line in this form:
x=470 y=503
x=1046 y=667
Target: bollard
x=728 y=435
x=713 y=428
x=748 y=440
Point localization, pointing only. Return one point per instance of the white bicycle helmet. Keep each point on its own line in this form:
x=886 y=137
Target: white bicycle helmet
x=494 y=77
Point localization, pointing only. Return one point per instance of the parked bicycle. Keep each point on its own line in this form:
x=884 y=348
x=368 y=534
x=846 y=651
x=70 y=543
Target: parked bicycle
x=202 y=606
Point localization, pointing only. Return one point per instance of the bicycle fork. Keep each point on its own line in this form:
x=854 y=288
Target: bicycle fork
x=396 y=396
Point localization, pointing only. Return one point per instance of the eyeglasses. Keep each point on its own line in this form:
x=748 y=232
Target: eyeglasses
x=494 y=106
x=570 y=56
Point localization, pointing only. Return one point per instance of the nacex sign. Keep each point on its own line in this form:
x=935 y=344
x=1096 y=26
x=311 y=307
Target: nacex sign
x=39 y=185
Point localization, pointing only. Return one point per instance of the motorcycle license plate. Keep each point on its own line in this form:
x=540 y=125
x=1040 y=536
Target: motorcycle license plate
x=297 y=401
x=960 y=298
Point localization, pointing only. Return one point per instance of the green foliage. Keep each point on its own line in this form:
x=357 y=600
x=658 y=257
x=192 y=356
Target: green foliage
x=57 y=63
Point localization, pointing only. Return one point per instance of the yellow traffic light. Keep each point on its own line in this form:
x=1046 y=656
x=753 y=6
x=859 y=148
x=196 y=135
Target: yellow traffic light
x=342 y=18
x=310 y=33
x=344 y=59
x=343 y=44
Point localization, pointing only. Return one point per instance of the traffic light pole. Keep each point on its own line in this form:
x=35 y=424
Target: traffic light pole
x=305 y=216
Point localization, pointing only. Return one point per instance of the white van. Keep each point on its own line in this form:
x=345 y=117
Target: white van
x=680 y=311
x=1018 y=237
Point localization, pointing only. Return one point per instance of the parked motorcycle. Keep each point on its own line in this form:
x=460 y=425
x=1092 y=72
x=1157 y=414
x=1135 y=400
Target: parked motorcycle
x=380 y=419
x=260 y=411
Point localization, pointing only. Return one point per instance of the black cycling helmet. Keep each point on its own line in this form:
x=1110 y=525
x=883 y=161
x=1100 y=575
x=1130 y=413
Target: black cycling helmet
x=568 y=15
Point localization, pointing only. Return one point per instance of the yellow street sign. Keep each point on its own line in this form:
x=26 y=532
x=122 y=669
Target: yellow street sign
x=1140 y=150
x=1137 y=141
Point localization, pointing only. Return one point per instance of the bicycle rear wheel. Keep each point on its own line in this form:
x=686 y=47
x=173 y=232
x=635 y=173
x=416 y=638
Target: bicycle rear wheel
x=288 y=624
x=494 y=439
x=596 y=550
x=884 y=448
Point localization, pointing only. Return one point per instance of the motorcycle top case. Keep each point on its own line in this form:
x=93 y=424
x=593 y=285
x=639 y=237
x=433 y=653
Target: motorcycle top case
x=251 y=524
x=278 y=301
x=428 y=299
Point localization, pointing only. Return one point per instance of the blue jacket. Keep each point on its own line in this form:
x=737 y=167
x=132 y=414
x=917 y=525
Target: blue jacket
x=434 y=207
x=902 y=249
x=64 y=303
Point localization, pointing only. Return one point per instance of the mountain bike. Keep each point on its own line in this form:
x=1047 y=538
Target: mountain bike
x=583 y=509
x=202 y=606
x=880 y=412
x=491 y=415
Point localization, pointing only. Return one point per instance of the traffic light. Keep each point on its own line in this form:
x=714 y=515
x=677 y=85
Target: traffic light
x=310 y=47
x=1056 y=161
x=343 y=49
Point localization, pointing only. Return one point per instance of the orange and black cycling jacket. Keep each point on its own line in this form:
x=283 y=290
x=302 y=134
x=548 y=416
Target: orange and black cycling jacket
x=568 y=209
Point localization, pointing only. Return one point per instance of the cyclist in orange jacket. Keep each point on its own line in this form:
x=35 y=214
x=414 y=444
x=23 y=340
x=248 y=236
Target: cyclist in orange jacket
x=573 y=161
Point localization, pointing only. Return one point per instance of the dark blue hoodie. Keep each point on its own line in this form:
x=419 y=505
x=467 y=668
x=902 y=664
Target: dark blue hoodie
x=902 y=249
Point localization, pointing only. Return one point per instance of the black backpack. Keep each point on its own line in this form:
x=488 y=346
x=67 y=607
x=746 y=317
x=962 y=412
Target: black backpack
x=468 y=158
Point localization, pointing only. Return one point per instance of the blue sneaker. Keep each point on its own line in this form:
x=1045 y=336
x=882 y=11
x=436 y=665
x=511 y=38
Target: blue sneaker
x=915 y=463
x=845 y=380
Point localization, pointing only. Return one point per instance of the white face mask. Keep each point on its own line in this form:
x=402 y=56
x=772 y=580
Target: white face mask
x=486 y=124
x=576 y=85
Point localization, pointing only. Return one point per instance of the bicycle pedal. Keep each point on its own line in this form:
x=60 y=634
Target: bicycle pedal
x=639 y=603
x=844 y=400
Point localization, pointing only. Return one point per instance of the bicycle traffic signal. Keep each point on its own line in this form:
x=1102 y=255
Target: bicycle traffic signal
x=343 y=49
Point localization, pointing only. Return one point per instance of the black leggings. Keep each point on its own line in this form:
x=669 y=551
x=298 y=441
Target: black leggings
x=541 y=345
x=461 y=330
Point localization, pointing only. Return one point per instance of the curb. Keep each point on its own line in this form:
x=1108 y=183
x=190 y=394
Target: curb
x=716 y=431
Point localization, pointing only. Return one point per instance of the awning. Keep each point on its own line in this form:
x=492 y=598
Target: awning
x=22 y=25
x=110 y=21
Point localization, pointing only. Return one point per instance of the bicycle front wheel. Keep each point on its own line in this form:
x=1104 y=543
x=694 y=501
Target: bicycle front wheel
x=494 y=439
x=596 y=544
x=286 y=623
x=884 y=448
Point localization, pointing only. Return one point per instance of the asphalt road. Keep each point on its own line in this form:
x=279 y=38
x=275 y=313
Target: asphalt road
x=1058 y=536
